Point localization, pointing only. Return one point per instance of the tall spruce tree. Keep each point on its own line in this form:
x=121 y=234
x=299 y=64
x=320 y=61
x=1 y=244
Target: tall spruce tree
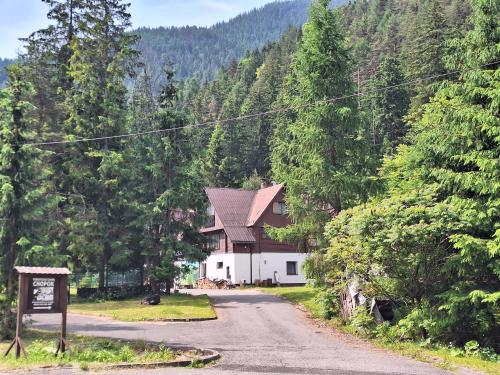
x=261 y=96
x=318 y=147
x=236 y=149
x=25 y=195
x=424 y=50
x=97 y=107
x=167 y=190
x=48 y=54
x=388 y=106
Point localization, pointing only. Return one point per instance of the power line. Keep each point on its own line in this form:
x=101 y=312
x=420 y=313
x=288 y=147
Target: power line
x=255 y=115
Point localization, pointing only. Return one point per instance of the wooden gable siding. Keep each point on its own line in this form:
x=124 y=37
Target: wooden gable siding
x=225 y=244
x=263 y=244
x=274 y=220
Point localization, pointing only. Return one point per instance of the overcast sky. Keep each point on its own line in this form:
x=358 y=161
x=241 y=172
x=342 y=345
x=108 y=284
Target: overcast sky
x=18 y=18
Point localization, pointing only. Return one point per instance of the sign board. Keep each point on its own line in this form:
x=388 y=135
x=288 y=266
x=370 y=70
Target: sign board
x=42 y=290
x=44 y=294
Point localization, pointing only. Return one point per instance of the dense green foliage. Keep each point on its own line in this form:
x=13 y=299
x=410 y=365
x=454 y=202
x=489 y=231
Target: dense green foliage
x=431 y=237
x=25 y=194
x=165 y=188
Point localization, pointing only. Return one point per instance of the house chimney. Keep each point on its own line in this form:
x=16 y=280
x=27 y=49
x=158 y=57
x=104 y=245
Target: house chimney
x=265 y=184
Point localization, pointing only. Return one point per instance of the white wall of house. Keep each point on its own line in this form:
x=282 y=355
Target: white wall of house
x=271 y=262
x=213 y=270
x=264 y=266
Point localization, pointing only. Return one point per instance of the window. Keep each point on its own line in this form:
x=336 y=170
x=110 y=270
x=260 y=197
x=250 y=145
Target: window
x=220 y=265
x=291 y=268
x=210 y=210
x=279 y=208
x=210 y=217
x=213 y=241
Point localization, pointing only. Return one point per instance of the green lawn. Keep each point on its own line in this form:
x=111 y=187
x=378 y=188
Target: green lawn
x=84 y=352
x=303 y=295
x=176 y=306
x=306 y=295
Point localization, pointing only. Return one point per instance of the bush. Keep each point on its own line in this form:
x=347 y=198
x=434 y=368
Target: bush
x=387 y=333
x=362 y=321
x=328 y=301
x=114 y=293
x=419 y=325
x=7 y=330
x=473 y=349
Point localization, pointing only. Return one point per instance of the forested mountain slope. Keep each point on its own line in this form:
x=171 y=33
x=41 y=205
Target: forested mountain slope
x=388 y=43
x=201 y=51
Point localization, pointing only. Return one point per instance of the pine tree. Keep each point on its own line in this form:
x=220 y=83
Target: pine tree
x=25 y=192
x=230 y=162
x=438 y=219
x=317 y=147
x=262 y=94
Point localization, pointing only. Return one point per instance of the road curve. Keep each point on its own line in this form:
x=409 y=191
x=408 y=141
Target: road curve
x=256 y=333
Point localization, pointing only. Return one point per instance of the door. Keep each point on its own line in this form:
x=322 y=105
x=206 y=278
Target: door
x=203 y=270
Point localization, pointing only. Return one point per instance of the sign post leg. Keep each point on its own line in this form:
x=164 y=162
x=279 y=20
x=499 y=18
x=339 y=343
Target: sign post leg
x=19 y=323
x=61 y=346
x=63 y=295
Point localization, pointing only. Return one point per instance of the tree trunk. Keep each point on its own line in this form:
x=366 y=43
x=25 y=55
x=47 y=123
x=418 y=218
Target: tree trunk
x=102 y=271
x=168 y=285
x=7 y=320
x=155 y=262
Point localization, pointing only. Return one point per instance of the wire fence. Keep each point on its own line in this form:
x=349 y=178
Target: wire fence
x=112 y=279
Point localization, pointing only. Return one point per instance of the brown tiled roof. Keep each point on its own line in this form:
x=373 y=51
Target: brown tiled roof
x=239 y=209
x=43 y=270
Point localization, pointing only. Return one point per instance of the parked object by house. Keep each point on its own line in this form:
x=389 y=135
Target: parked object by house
x=241 y=250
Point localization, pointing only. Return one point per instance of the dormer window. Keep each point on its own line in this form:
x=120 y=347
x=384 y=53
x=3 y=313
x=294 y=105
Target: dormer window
x=279 y=208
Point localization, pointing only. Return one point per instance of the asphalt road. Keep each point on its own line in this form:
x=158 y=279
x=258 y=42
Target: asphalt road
x=255 y=334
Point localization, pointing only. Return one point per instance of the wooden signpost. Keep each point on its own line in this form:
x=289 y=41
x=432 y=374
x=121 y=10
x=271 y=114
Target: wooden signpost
x=42 y=290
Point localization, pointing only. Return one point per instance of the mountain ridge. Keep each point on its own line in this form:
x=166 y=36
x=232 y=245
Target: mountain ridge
x=201 y=51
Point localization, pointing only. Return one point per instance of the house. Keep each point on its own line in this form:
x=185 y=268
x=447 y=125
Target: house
x=241 y=250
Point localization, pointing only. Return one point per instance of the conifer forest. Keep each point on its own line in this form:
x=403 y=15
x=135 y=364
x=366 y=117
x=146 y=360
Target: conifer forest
x=380 y=117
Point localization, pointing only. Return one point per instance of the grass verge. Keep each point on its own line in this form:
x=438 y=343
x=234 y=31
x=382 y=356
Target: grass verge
x=176 y=306
x=84 y=352
x=441 y=357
